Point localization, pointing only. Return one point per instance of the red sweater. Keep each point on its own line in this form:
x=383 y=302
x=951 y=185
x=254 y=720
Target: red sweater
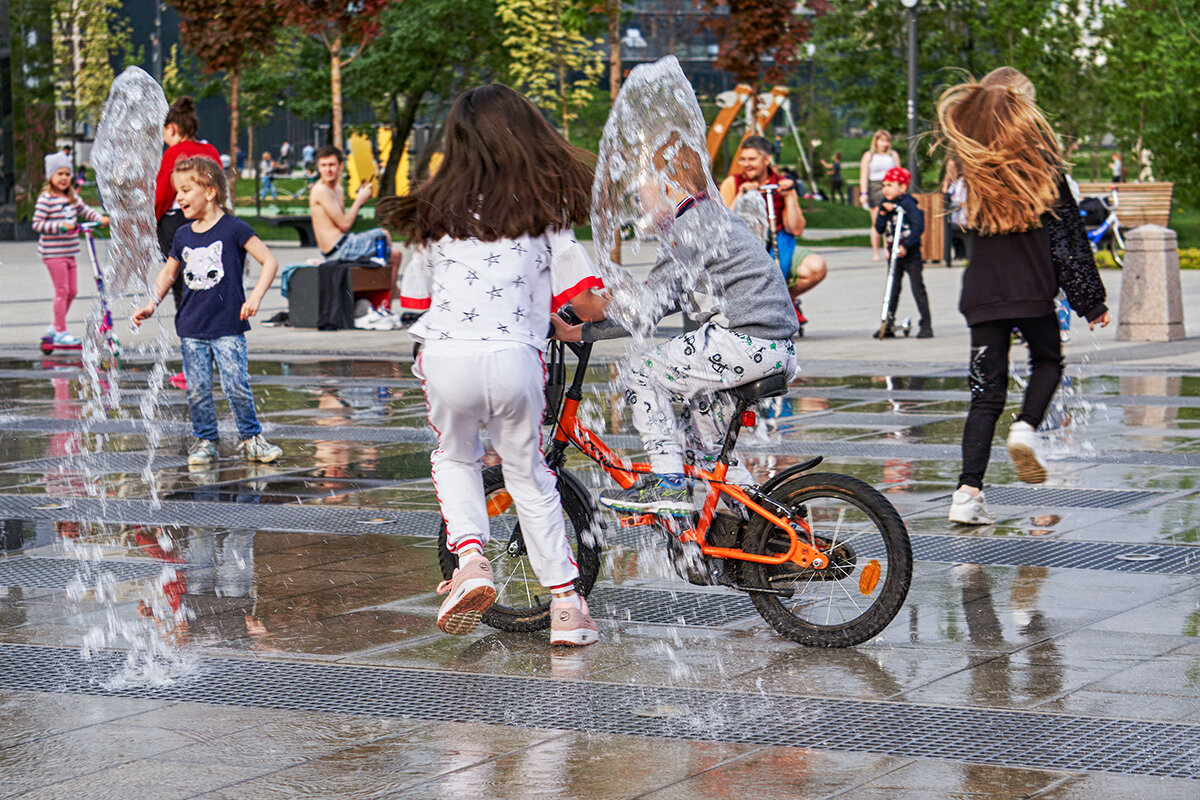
x=164 y=192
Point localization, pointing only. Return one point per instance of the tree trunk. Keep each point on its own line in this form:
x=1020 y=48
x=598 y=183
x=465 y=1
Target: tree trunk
x=335 y=86
x=614 y=49
x=235 y=82
x=562 y=98
x=402 y=125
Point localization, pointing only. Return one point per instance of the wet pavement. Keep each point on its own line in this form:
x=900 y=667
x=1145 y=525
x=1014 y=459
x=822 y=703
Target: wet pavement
x=268 y=630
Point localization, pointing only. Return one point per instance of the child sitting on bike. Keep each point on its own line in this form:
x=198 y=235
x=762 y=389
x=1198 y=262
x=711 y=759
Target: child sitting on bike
x=712 y=267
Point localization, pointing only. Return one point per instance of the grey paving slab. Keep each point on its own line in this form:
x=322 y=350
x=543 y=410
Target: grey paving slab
x=1051 y=655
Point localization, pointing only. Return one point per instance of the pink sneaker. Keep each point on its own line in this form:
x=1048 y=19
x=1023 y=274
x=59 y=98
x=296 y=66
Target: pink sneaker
x=571 y=626
x=471 y=592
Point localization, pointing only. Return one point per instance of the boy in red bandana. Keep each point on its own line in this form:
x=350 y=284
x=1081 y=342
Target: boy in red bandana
x=895 y=195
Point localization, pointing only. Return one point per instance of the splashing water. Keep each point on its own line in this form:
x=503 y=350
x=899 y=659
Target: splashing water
x=652 y=155
x=126 y=158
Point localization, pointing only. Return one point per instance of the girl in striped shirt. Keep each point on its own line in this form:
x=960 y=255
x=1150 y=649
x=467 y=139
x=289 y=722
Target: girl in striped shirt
x=56 y=220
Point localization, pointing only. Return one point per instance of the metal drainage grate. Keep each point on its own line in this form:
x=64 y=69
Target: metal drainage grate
x=1114 y=556
x=97 y=463
x=283 y=517
x=1040 y=497
x=666 y=607
x=56 y=573
x=985 y=736
x=851 y=419
x=344 y=433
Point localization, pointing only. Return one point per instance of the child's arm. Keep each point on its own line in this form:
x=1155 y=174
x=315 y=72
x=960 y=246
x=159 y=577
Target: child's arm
x=882 y=217
x=916 y=223
x=162 y=285
x=262 y=254
x=91 y=214
x=589 y=305
x=41 y=217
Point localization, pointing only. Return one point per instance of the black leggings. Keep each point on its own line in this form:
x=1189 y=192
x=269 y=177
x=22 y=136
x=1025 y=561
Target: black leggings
x=915 y=267
x=989 y=384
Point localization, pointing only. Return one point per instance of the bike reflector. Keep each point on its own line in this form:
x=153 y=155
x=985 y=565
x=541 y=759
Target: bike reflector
x=749 y=419
x=869 y=578
x=498 y=503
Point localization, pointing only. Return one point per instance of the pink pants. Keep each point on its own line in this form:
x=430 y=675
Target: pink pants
x=62 y=272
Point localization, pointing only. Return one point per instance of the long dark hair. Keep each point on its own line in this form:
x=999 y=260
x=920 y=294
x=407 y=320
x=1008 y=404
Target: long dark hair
x=506 y=173
x=182 y=114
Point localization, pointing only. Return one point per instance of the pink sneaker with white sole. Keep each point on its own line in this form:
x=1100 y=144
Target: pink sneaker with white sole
x=572 y=626
x=470 y=593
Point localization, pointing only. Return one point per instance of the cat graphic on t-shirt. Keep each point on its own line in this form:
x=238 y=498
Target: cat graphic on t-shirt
x=202 y=267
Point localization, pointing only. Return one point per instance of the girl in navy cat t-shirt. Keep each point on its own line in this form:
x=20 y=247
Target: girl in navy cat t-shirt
x=212 y=317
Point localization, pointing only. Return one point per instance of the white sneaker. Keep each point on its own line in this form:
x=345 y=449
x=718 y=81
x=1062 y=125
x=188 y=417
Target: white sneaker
x=1023 y=445
x=968 y=509
x=371 y=321
x=386 y=317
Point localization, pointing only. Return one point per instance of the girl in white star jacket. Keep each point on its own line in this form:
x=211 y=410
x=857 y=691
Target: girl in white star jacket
x=495 y=257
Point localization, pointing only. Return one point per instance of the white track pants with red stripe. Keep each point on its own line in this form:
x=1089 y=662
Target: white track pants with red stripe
x=498 y=386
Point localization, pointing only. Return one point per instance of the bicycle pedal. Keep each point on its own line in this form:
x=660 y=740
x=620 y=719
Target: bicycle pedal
x=636 y=520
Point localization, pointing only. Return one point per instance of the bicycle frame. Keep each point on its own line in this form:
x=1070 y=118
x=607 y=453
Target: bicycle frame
x=569 y=430
x=1111 y=223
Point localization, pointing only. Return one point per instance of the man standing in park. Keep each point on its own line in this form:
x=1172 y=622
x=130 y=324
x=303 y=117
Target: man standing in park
x=332 y=221
x=802 y=268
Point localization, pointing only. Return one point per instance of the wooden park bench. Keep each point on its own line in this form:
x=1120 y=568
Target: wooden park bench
x=1140 y=203
x=301 y=223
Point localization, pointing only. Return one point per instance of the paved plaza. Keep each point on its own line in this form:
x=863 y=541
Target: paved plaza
x=1052 y=655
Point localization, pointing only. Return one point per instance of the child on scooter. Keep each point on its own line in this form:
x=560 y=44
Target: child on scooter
x=56 y=221
x=908 y=250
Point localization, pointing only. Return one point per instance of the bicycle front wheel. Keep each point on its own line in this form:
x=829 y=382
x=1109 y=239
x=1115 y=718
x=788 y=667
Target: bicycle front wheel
x=522 y=603
x=870 y=569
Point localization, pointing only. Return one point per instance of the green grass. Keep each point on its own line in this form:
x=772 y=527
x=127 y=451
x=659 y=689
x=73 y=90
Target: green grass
x=1186 y=224
x=834 y=215
x=840 y=241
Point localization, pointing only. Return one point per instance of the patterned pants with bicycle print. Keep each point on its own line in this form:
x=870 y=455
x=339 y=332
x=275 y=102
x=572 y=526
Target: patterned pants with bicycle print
x=691 y=369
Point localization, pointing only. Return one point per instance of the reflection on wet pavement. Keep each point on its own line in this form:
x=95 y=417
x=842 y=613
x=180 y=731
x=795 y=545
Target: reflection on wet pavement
x=1084 y=607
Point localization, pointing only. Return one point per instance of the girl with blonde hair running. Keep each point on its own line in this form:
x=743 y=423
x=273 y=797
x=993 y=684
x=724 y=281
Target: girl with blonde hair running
x=1025 y=241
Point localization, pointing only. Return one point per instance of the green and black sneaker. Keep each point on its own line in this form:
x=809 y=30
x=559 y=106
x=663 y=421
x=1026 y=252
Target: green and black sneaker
x=654 y=494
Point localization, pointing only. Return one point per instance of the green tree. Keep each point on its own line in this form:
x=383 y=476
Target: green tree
x=427 y=51
x=344 y=28
x=224 y=34
x=88 y=36
x=554 y=59
x=1152 y=55
x=862 y=51
x=30 y=32
x=182 y=75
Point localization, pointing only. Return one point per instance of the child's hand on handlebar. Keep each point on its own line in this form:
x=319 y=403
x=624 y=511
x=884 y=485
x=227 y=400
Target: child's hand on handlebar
x=564 y=331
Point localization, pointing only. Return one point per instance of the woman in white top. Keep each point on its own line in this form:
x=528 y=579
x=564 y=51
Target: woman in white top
x=874 y=165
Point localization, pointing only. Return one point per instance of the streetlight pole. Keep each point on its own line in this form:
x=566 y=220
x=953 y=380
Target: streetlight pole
x=911 y=5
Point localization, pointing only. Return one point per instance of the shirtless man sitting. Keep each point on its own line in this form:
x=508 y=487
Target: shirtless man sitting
x=802 y=268
x=331 y=220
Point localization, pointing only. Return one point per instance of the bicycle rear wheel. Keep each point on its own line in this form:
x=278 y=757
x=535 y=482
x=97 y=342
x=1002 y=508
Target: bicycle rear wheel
x=862 y=589
x=522 y=603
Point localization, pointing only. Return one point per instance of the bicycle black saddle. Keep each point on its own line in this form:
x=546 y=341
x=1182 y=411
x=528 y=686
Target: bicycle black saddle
x=770 y=386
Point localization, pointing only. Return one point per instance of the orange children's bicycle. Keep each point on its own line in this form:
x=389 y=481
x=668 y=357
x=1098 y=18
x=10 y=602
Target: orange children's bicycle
x=825 y=558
